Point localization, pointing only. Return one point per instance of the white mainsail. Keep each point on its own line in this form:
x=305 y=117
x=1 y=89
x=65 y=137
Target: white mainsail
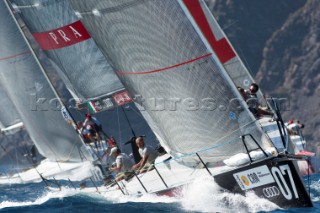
x=30 y=92
x=160 y=56
x=67 y=43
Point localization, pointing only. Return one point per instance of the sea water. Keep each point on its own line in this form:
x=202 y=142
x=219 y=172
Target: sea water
x=201 y=196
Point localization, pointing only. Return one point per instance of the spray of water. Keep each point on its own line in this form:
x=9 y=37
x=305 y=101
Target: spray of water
x=205 y=195
x=315 y=190
x=202 y=195
x=145 y=198
x=65 y=192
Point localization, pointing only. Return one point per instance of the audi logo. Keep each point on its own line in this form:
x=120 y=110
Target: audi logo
x=272 y=191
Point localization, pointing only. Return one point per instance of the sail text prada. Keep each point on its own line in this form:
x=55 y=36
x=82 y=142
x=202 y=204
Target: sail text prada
x=61 y=35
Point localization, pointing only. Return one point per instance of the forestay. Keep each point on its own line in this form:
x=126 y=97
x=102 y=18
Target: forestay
x=30 y=93
x=159 y=55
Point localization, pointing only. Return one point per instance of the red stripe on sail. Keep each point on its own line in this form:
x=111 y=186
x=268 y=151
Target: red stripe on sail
x=14 y=56
x=62 y=37
x=221 y=47
x=165 y=68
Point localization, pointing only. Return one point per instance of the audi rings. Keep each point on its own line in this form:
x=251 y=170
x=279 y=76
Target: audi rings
x=272 y=191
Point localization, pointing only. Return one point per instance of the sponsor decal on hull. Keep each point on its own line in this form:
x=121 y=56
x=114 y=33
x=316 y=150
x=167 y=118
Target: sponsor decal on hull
x=253 y=178
x=272 y=191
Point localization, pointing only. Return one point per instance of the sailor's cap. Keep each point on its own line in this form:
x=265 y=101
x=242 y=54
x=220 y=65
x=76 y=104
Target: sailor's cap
x=113 y=150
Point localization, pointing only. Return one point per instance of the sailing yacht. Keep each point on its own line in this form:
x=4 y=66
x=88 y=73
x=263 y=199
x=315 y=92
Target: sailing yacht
x=10 y=124
x=172 y=52
x=17 y=153
x=31 y=94
x=299 y=143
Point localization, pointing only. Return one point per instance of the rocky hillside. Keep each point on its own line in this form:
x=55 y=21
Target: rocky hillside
x=279 y=42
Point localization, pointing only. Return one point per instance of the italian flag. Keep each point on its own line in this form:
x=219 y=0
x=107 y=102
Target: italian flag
x=92 y=107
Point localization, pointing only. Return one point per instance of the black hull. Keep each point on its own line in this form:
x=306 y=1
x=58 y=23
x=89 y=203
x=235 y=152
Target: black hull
x=275 y=179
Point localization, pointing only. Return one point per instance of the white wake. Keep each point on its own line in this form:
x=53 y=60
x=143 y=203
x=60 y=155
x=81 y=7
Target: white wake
x=203 y=195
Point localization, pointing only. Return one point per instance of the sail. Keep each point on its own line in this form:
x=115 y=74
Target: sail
x=33 y=97
x=66 y=42
x=212 y=35
x=8 y=114
x=159 y=55
x=234 y=66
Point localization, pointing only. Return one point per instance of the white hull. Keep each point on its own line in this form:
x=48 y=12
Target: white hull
x=49 y=170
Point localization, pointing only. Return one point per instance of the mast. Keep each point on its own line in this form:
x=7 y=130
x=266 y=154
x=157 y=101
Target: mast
x=229 y=52
x=216 y=40
x=23 y=80
x=63 y=107
x=224 y=49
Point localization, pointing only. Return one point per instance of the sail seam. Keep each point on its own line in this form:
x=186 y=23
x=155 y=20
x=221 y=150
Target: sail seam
x=165 y=68
x=14 y=56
